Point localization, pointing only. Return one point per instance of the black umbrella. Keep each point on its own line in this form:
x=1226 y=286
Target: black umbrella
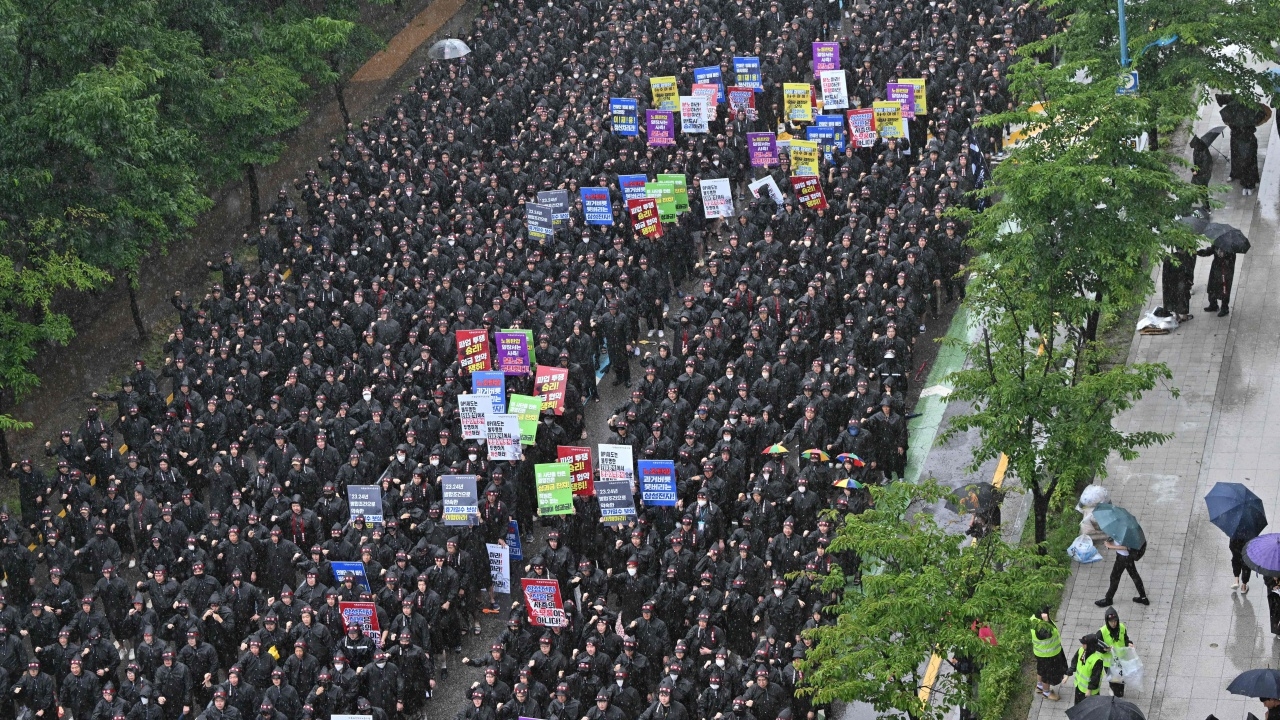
x=1260 y=683
x=1227 y=238
x=1209 y=137
x=1104 y=708
x=1195 y=221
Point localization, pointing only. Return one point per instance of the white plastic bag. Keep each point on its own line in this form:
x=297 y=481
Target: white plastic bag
x=1127 y=666
x=1083 y=551
x=1093 y=495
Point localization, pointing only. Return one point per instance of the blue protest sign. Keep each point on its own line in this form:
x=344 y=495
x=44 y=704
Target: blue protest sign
x=558 y=201
x=365 y=500
x=657 y=482
x=746 y=71
x=835 y=122
x=626 y=116
x=513 y=540
x=710 y=76
x=596 y=206
x=493 y=384
x=632 y=186
x=341 y=569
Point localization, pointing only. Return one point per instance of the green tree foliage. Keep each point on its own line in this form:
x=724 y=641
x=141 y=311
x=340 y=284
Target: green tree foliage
x=929 y=596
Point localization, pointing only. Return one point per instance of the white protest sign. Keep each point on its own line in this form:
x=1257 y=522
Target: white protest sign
x=717 y=198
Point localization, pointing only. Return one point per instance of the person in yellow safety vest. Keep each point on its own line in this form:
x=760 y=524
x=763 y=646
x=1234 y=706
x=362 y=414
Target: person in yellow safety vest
x=1051 y=660
x=1088 y=667
x=1115 y=635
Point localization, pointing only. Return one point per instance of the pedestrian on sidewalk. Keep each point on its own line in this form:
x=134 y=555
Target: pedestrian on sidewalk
x=1273 y=603
x=1051 y=660
x=1241 y=571
x=1222 y=273
x=1114 y=635
x=1126 y=561
x=1088 y=667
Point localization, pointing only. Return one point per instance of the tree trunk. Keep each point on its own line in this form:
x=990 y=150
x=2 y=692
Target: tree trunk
x=1091 y=327
x=5 y=460
x=339 y=91
x=132 y=283
x=1153 y=139
x=1040 y=508
x=255 y=202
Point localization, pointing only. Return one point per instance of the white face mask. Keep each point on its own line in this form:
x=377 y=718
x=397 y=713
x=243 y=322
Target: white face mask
x=619 y=682
x=354 y=252
x=337 y=666
x=382 y=664
x=728 y=438
x=765 y=374
x=702 y=503
x=367 y=396
x=400 y=457
x=144 y=700
x=435 y=461
x=472 y=457
x=715 y=686
x=802 y=489
x=766 y=474
x=631 y=571
x=777 y=592
x=673 y=676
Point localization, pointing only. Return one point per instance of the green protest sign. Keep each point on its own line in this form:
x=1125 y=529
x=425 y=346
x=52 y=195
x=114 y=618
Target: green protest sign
x=682 y=190
x=528 y=408
x=555 y=488
x=665 y=193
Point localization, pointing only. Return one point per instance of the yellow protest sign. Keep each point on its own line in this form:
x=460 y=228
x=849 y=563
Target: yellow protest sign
x=922 y=103
x=796 y=100
x=666 y=95
x=889 y=120
x=804 y=157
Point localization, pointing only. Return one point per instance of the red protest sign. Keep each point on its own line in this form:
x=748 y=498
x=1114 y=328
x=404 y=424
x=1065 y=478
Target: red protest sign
x=579 y=459
x=550 y=383
x=542 y=602
x=364 y=615
x=473 y=350
x=809 y=192
x=644 y=217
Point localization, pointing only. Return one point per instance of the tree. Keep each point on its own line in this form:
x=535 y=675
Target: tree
x=930 y=597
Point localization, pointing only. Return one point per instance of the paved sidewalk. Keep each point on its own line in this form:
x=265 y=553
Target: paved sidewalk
x=1197 y=634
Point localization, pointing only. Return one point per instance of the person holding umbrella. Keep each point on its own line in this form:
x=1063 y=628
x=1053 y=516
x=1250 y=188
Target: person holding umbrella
x=1228 y=241
x=1262 y=555
x=1264 y=684
x=1088 y=667
x=1236 y=511
x=1051 y=661
x=1130 y=544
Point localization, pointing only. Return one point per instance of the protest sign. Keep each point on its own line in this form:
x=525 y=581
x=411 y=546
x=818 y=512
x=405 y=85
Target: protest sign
x=804 y=157
x=471 y=413
x=862 y=127
x=542 y=602
x=558 y=201
x=539 y=221
x=742 y=100
x=342 y=568
x=625 y=114
x=499 y=567
x=666 y=95
x=835 y=90
x=663 y=193
x=763 y=149
x=493 y=384
x=767 y=185
x=905 y=95
x=473 y=350
x=681 y=185
x=746 y=73
x=717 y=198
x=661 y=127
x=797 y=101
x=550 y=383
x=365 y=500
x=554 y=488
x=596 y=206
x=513 y=351
x=889 y=121
x=363 y=614
x=617 y=463
x=645 y=220
x=632 y=186
x=617 y=503
x=579 y=459
x=710 y=93
x=837 y=138
x=921 y=99
x=526 y=408
x=504 y=434
x=826 y=56
x=808 y=192
x=658 y=482
x=514 y=543
x=460 y=501
x=693 y=114
x=710 y=75
x=338 y=716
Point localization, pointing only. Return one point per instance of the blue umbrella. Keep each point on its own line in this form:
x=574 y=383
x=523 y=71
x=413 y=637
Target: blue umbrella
x=1262 y=554
x=1236 y=511
x=1120 y=524
x=1261 y=683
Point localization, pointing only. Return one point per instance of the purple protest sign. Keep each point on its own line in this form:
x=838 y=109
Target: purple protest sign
x=513 y=351
x=763 y=148
x=826 y=56
x=905 y=94
x=661 y=125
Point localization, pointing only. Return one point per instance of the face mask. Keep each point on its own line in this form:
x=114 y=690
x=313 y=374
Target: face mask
x=766 y=474
x=337 y=666
x=472 y=457
x=715 y=686
x=452 y=241
x=765 y=374
x=702 y=503
x=673 y=676
x=720 y=662
x=777 y=592
x=619 y=683
x=802 y=489
x=382 y=664
x=435 y=461
x=728 y=438
x=367 y=396
x=631 y=572
x=733 y=421
x=191 y=547
x=144 y=700
x=400 y=457
x=354 y=252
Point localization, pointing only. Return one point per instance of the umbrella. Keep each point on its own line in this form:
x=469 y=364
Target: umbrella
x=857 y=461
x=1262 y=554
x=1104 y=708
x=976 y=496
x=448 y=49
x=1120 y=524
x=1226 y=237
x=1209 y=137
x=1236 y=511
x=775 y=449
x=1260 y=683
x=1196 y=222
x=848 y=483
x=815 y=453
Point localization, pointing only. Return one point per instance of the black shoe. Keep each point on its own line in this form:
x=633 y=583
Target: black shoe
x=1211 y=307
x=1225 y=311
x=1104 y=602
x=1142 y=600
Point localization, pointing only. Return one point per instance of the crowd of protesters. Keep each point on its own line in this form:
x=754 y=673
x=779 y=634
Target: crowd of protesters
x=190 y=574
